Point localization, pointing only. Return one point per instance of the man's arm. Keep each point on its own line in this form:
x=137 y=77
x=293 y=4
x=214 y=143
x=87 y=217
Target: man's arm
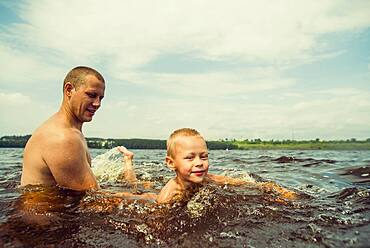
x=67 y=160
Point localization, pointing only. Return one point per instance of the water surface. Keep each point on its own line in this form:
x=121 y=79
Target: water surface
x=333 y=209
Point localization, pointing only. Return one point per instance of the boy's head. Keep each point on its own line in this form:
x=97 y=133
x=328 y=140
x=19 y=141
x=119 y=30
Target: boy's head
x=178 y=134
x=187 y=155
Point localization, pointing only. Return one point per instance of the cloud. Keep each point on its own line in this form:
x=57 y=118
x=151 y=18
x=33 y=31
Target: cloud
x=136 y=32
x=13 y=99
x=23 y=67
x=263 y=39
x=307 y=116
x=55 y=35
x=21 y=113
x=212 y=84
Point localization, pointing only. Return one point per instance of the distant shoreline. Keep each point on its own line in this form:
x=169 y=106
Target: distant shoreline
x=256 y=144
x=304 y=145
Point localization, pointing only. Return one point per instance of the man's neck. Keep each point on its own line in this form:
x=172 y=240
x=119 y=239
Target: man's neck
x=69 y=118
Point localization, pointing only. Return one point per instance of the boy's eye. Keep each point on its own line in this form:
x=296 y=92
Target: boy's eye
x=189 y=157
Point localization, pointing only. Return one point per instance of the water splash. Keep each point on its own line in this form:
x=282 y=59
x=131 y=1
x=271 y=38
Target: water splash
x=108 y=167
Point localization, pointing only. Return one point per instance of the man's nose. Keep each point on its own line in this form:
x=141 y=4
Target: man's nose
x=97 y=102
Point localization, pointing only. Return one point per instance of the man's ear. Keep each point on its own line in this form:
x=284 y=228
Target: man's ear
x=68 y=87
x=170 y=163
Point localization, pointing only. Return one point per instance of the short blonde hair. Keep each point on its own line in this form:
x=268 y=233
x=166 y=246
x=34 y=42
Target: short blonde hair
x=77 y=76
x=182 y=132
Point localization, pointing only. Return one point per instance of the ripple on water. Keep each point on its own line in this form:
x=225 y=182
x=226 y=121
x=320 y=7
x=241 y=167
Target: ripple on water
x=212 y=216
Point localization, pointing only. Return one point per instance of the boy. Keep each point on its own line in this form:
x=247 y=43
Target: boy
x=187 y=155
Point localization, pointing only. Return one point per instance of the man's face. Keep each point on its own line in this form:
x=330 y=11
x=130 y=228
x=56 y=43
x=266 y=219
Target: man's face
x=87 y=98
x=191 y=159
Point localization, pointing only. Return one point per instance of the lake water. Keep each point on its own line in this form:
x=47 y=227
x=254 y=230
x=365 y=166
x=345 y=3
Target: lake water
x=332 y=210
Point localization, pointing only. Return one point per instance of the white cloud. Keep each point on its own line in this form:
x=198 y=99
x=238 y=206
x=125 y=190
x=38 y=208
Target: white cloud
x=24 y=67
x=123 y=36
x=13 y=99
x=20 y=113
x=212 y=83
x=135 y=32
x=306 y=116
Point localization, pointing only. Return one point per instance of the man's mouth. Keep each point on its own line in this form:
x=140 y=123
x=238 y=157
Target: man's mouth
x=91 y=111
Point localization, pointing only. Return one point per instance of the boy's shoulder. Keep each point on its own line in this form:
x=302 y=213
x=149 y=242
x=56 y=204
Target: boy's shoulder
x=169 y=191
x=171 y=184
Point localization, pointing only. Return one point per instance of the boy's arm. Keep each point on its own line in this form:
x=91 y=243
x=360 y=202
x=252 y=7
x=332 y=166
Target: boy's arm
x=219 y=179
x=128 y=171
x=283 y=192
x=144 y=196
x=265 y=186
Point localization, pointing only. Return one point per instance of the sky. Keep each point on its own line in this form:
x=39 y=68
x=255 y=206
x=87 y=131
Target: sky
x=238 y=69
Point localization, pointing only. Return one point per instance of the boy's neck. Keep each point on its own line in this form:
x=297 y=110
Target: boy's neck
x=183 y=185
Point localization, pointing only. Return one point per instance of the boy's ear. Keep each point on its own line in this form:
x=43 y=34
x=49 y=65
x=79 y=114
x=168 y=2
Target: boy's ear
x=170 y=163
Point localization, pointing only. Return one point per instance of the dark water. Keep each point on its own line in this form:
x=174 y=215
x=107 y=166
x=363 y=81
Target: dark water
x=332 y=210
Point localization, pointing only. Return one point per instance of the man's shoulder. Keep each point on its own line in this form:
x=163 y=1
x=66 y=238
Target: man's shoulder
x=51 y=134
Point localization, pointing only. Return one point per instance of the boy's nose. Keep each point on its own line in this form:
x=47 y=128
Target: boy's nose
x=198 y=162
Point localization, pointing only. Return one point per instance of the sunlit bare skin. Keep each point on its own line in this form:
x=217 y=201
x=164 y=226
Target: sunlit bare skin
x=128 y=171
x=57 y=153
x=129 y=174
x=190 y=163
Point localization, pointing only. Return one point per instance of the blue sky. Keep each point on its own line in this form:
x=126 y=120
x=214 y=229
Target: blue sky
x=240 y=69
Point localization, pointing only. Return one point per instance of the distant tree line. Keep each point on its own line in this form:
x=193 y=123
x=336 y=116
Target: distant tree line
x=14 y=141
x=288 y=141
x=148 y=144
x=20 y=142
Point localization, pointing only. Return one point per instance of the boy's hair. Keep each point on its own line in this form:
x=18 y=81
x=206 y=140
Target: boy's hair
x=182 y=132
x=77 y=76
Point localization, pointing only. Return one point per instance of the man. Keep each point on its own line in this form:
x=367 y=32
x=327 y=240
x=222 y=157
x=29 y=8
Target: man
x=57 y=153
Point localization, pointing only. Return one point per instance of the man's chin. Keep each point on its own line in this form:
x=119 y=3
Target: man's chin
x=87 y=119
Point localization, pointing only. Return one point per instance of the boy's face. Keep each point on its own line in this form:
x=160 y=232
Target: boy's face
x=190 y=159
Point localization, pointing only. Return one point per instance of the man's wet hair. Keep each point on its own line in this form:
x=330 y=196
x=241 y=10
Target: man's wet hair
x=77 y=76
x=182 y=132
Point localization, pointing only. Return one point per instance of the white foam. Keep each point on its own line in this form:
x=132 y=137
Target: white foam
x=108 y=167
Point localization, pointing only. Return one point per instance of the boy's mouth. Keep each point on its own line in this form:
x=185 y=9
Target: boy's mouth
x=199 y=173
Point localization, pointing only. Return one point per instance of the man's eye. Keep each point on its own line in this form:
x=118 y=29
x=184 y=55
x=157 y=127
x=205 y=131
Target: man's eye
x=91 y=95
